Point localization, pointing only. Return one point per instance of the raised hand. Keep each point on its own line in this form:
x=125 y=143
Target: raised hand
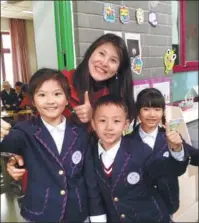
x=84 y=112
x=174 y=139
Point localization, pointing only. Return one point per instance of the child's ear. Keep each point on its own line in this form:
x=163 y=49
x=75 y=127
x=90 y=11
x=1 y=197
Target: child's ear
x=127 y=124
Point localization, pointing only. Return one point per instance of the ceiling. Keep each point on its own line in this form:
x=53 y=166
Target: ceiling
x=13 y=9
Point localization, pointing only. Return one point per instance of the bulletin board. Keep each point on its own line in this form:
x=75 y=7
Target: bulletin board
x=163 y=84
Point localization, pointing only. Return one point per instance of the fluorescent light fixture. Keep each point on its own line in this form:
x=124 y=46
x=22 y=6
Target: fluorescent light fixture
x=29 y=12
x=3 y=2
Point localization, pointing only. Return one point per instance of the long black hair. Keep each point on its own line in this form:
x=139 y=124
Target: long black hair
x=121 y=86
x=150 y=97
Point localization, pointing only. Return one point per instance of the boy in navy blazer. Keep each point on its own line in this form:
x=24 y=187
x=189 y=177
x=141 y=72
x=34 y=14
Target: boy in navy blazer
x=126 y=168
x=62 y=184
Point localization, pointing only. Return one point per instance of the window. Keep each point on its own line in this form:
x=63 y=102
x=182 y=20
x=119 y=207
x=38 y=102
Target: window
x=185 y=35
x=6 y=58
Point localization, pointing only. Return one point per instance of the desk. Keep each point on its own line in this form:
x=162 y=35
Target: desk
x=8 y=114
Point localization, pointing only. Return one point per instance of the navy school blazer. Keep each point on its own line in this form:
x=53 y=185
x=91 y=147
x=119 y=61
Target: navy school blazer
x=61 y=187
x=131 y=194
x=166 y=185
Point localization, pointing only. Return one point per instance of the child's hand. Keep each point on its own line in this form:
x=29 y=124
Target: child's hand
x=5 y=127
x=173 y=138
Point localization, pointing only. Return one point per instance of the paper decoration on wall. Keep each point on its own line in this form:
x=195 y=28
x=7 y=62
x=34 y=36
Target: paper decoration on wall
x=109 y=13
x=124 y=14
x=153 y=19
x=136 y=64
x=169 y=60
x=133 y=44
x=153 y=4
x=139 y=15
x=114 y=32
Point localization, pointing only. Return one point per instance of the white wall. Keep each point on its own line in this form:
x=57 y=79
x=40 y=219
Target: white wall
x=5 y=26
x=45 y=36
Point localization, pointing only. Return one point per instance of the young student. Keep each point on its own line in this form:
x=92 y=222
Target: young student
x=127 y=170
x=150 y=105
x=62 y=185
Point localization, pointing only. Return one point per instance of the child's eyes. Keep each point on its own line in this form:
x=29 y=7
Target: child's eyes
x=41 y=95
x=101 y=53
x=102 y=120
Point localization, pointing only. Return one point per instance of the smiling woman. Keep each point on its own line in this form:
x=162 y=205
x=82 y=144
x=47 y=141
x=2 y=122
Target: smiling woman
x=104 y=69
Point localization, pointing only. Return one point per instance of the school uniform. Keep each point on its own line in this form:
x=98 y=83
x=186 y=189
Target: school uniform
x=9 y=98
x=62 y=185
x=128 y=184
x=167 y=186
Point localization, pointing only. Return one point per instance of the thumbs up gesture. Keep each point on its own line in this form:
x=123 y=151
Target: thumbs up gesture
x=84 y=112
x=173 y=138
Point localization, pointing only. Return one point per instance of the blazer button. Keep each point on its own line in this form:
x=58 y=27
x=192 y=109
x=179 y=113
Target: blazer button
x=62 y=192
x=61 y=172
x=155 y=186
x=116 y=199
x=122 y=216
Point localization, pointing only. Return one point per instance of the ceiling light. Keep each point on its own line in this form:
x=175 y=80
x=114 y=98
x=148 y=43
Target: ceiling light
x=3 y=2
x=29 y=12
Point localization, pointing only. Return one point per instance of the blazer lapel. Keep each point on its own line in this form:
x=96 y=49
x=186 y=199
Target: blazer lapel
x=160 y=141
x=121 y=162
x=70 y=137
x=44 y=137
x=99 y=168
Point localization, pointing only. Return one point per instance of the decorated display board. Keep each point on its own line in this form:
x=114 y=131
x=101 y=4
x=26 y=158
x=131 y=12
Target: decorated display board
x=163 y=84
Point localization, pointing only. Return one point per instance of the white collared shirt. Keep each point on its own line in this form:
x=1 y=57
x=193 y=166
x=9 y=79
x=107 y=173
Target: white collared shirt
x=57 y=132
x=108 y=156
x=150 y=138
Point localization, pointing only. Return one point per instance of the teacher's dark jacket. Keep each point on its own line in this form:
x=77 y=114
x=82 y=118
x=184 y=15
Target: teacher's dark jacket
x=58 y=189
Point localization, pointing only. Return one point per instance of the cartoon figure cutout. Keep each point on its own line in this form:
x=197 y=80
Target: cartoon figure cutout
x=124 y=14
x=136 y=64
x=169 y=60
x=153 y=19
x=140 y=15
x=109 y=13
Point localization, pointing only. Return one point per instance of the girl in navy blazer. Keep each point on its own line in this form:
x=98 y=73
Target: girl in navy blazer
x=62 y=185
x=127 y=169
x=150 y=105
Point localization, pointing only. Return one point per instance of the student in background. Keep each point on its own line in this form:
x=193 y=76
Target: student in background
x=62 y=185
x=18 y=86
x=26 y=102
x=8 y=97
x=127 y=169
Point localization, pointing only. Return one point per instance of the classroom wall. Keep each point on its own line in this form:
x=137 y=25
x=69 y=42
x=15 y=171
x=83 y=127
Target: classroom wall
x=45 y=36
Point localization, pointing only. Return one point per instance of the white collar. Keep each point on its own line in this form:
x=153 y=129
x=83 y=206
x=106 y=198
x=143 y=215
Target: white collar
x=111 y=152
x=144 y=134
x=61 y=126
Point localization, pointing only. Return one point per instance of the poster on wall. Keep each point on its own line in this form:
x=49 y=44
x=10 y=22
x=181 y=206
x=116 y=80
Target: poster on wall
x=114 y=32
x=163 y=84
x=164 y=88
x=139 y=85
x=133 y=44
